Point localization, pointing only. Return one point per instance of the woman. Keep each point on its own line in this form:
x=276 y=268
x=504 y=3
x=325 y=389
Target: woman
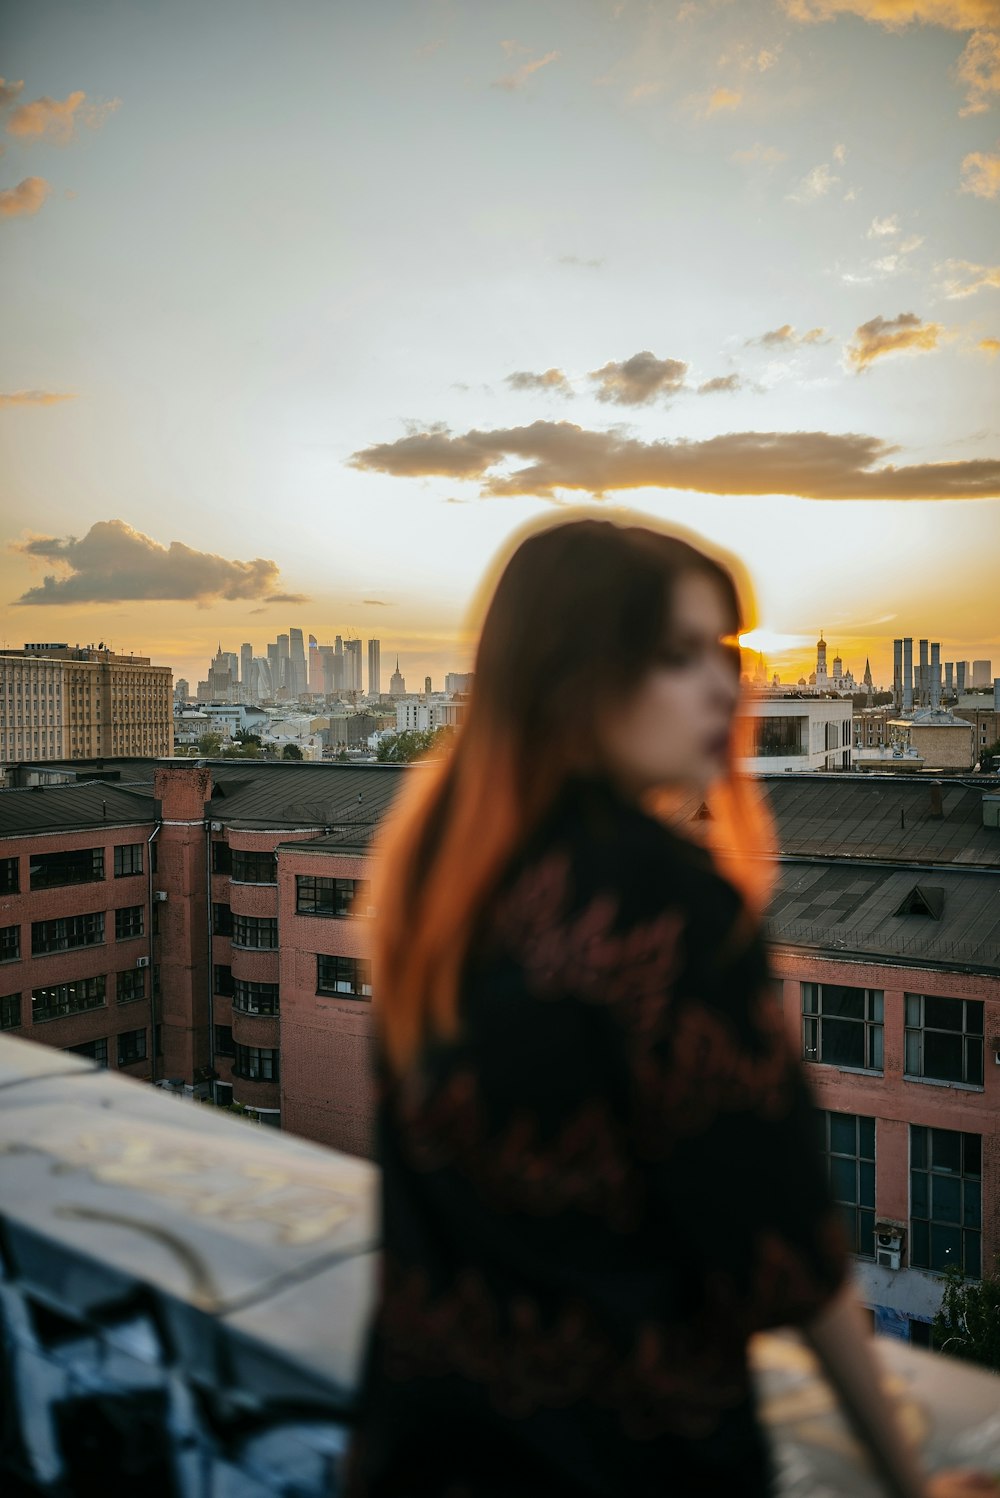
x=600 y=1169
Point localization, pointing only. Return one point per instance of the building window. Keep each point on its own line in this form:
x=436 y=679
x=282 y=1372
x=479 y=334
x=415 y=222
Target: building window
x=849 y=1144
x=256 y=1064
x=945 y=1199
x=10 y=877
x=944 y=1038
x=67 y=998
x=222 y=858
x=10 y=943
x=67 y=932
x=128 y=922
x=10 y=1011
x=80 y=866
x=255 y=998
x=128 y=859
x=131 y=1047
x=254 y=868
x=224 y=1041
x=321 y=896
x=255 y=931
x=842 y=1026
x=351 y=976
x=222 y=920
x=130 y=985
x=222 y=979
x=97 y=1050
x=780 y=736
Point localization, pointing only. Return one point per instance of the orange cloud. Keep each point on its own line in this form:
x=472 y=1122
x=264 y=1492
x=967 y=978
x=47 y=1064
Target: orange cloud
x=9 y=91
x=759 y=154
x=981 y=174
x=893 y=335
x=786 y=337
x=563 y=456
x=723 y=98
x=113 y=563
x=55 y=121
x=551 y=379
x=978 y=71
x=25 y=199
x=989 y=346
x=513 y=81
x=721 y=384
x=33 y=398
x=638 y=380
x=964 y=278
x=953 y=15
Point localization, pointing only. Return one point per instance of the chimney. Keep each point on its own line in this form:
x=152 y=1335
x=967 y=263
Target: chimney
x=897 y=674
x=908 y=675
x=935 y=675
x=923 y=677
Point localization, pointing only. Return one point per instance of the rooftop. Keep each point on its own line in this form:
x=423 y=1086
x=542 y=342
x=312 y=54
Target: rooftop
x=68 y=807
x=184 y=1296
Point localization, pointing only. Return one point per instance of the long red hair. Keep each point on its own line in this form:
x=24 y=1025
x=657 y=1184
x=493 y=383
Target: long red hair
x=574 y=619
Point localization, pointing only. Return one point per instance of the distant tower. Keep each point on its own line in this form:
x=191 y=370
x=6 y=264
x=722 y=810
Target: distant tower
x=374 y=669
x=868 y=680
x=397 y=686
x=821 y=676
x=760 y=671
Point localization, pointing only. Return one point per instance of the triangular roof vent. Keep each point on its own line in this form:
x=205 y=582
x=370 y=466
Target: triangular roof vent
x=702 y=814
x=923 y=899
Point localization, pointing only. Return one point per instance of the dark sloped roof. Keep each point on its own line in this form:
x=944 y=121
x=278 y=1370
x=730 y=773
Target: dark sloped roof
x=57 y=807
x=348 y=797
x=884 y=817
x=844 y=907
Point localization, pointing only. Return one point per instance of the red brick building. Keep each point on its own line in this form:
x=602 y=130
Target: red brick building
x=222 y=908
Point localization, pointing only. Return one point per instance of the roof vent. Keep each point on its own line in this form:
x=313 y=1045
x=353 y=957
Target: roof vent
x=923 y=899
x=702 y=814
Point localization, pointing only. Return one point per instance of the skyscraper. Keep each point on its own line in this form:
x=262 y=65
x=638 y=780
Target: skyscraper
x=315 y=667
x=283 y=685
x=374 y=669
x=297 y=655
x=246 y=670
x=352 y=665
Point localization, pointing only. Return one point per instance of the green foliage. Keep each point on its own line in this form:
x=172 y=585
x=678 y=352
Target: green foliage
x=244 y=737
x=291 y=751
x=413 y=743
x=209 y=745
x=967 y=1324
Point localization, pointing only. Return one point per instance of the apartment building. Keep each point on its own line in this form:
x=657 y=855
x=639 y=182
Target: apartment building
x=208 y=926
x=59 y=702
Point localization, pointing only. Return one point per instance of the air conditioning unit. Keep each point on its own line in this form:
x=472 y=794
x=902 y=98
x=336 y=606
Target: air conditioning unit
x=888 y=1245
x=216 y=826
x=159 y=896
x=142 y=962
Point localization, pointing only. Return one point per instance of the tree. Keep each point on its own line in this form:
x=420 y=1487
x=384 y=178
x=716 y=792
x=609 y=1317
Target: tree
x=967 y=1324
x=209 y=745
x=413 y=743
x=291 y=751
x=246 y=738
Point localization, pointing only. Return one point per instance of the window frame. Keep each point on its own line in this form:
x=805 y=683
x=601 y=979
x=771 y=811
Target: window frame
x=119 y=858
x=10 y=876
x=860 y=1216
x=245 y=926
x=872 y=1024
x=338 y=906
x=133 y=973
x=246 y=859
x=121 y=1048
x=94 y=874
x=123 y=910
x=10 y=936
x=75 y=933
x=970 y=1040
x=246 y=999
x=243 y=1064
x=360 y=987
x=924 y=1141
x=10 y=1003
x=94 y=996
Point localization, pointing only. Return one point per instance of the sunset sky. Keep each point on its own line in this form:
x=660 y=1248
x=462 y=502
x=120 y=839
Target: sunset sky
x=319 y=301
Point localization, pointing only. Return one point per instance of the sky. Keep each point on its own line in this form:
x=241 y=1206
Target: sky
x=310 y=306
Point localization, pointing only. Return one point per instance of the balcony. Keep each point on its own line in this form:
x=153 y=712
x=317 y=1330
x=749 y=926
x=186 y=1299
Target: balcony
x=183 y=1299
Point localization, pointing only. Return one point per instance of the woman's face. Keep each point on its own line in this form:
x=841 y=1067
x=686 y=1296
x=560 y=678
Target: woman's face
x=675 y=727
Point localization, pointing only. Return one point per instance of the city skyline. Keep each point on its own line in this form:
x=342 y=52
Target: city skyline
x=254 y=362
